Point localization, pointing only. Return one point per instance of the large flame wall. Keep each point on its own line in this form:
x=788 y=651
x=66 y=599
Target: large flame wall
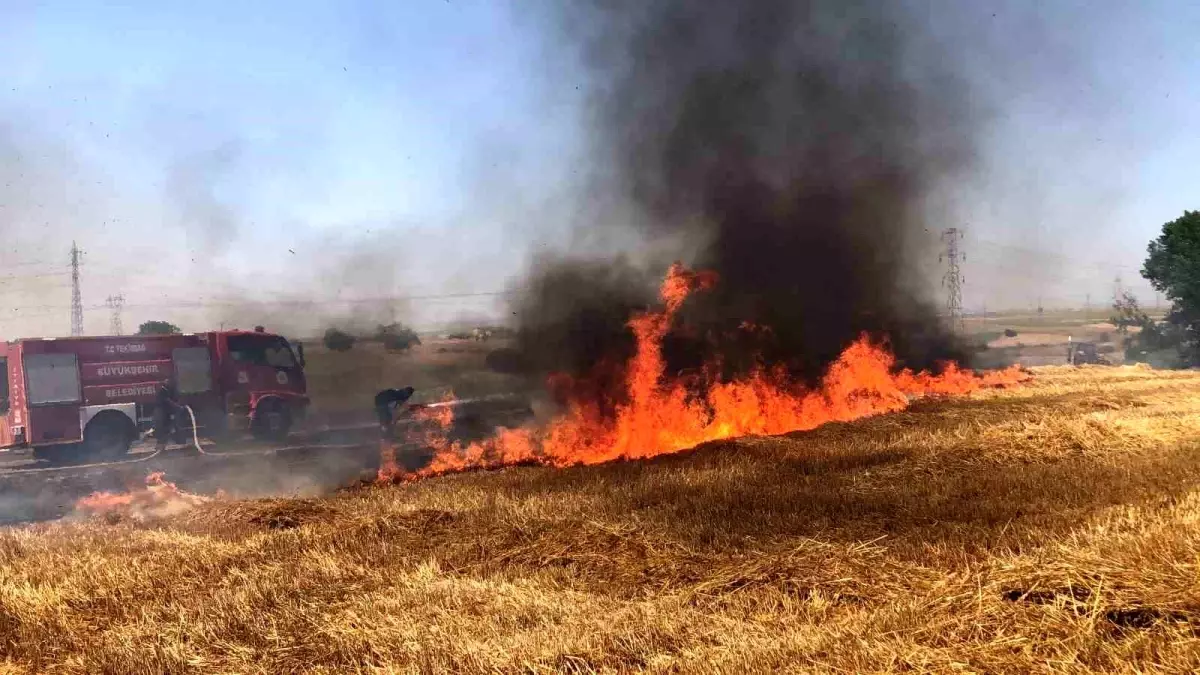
x=662 y=415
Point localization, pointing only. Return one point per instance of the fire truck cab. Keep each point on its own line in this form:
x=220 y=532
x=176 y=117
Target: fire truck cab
x=96 y=395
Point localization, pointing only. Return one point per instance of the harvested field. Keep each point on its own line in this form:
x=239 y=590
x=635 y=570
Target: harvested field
x=1030 y=339
x=1052 y=527
x=340 y=382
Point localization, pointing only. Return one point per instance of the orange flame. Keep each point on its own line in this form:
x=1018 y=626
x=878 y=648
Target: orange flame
x=388 y=468
x=433 y=431
x=158 y=499
x=661 y=417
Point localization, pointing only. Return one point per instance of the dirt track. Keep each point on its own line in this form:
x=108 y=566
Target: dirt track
x=312 y=463
x=51 y=492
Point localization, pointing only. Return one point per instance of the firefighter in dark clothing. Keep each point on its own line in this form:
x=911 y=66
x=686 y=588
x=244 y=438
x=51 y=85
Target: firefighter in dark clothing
x=167 y=401
x=386 y=402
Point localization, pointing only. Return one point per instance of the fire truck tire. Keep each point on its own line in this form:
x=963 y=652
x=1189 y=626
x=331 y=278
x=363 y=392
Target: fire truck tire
x=272 y=421
x=108 y=435
x=56 y=454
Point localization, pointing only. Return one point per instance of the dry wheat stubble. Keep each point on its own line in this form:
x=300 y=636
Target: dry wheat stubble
x=1052 y=528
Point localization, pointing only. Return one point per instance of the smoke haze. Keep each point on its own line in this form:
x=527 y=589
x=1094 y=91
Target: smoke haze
x=454 y=142
x=792 y=144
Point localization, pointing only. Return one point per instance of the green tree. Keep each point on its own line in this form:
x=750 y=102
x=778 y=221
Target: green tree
x=1173 y=268
x=1128 y=314
x=157 y=328
x=338 y=341
x=396 y=337
x=1147 y=338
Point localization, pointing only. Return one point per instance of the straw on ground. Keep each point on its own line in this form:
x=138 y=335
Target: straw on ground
x=1052 y=527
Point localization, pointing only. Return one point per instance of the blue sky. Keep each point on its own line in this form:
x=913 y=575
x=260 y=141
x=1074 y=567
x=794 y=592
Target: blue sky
x=322 y=128
x=1092 y=150
x=225 y=150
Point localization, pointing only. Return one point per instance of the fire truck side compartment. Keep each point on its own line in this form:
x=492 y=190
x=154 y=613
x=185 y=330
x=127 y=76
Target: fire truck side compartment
x=52 y=382
x=118 y=374
x=56 y=386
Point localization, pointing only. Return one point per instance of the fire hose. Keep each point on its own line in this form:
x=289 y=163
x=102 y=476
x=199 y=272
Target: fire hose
x=200 y=449
x=156 y=453
x=119 y=462
x=76 y=467
x=195 y=436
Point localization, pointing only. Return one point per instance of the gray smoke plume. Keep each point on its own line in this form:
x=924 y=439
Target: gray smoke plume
x=796 y=141
x=191 y=186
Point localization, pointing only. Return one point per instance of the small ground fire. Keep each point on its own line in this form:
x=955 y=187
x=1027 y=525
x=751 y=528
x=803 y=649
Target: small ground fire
x=662 y=415
x=158 y=499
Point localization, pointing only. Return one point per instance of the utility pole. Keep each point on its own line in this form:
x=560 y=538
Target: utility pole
x=953 y=279
x=76 y=295
x=1087 y=307
x=115 y=303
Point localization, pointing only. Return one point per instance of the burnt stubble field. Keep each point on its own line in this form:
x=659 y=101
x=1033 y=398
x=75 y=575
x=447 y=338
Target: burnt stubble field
x=1048 y=527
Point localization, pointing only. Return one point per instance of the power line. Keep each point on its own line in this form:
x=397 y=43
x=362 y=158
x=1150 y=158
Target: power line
x=347 y=301
x=1076 y=262
x=19 y=277
x=199 y=304
x=35 y=287
x=57 y=275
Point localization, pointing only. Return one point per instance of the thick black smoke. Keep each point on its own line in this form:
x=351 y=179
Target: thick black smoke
x=796 y=140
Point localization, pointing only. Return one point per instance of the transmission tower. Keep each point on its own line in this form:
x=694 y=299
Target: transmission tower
x=76 y=295
x=115 y=303
x=953 y=279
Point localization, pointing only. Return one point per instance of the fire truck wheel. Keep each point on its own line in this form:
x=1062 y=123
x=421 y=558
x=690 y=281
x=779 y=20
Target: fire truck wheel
x=56 y=454
x=272 y=421
x=108 y=435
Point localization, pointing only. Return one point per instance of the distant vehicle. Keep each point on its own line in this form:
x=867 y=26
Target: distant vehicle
x=95 y=395
x=1084 y=353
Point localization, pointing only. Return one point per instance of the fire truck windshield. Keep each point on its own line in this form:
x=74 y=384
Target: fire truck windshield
x=261 y=351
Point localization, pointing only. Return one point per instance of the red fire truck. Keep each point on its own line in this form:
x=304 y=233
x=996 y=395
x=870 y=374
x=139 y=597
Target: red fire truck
x=94 y=395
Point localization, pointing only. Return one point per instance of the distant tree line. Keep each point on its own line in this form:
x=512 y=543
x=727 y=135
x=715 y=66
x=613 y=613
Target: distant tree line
x=158 y=328
x=395 y=337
